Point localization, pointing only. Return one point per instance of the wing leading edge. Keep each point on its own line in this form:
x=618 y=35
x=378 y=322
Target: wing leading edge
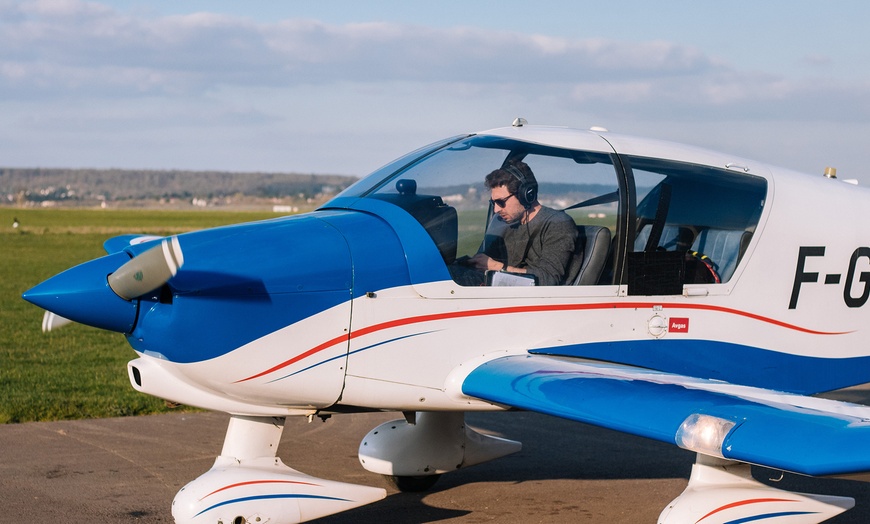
x=784 y=431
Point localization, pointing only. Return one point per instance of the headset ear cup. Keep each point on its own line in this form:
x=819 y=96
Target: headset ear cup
x=530 y=194
x=527 y=193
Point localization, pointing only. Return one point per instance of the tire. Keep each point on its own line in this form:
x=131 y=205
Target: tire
x=412 y=484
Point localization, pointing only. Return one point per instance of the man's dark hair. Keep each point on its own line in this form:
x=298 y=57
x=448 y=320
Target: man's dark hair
x=504 y=177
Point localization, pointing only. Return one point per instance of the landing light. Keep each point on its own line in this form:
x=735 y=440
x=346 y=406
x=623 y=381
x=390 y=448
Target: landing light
x=703 y=434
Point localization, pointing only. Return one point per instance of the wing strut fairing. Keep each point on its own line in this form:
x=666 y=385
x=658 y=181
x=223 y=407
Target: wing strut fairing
x=433 y=444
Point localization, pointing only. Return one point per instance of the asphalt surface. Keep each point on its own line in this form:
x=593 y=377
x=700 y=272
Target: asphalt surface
x=129 y=469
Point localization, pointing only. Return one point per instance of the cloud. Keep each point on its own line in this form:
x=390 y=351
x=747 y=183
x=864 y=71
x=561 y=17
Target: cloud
x=817 y=60
x=52 y=46
x=71 y=49
x=84 y=84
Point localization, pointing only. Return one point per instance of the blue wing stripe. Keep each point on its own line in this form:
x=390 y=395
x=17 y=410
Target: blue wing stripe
x=269 y=497
x=769 y=516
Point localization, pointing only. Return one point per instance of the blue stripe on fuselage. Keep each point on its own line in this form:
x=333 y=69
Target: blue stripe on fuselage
x=728 y=362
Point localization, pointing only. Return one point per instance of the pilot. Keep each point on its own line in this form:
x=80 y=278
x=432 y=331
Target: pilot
x=524 y=237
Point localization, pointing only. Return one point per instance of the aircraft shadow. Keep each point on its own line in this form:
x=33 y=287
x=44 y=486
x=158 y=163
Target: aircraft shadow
x=561 y=455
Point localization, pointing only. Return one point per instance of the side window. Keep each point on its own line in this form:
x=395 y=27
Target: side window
x=693 y=224
x=584 y=185
x=445 y=192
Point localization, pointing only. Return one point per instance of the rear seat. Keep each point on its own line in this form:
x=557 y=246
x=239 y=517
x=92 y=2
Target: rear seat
x=674 y=238
x=724 y=248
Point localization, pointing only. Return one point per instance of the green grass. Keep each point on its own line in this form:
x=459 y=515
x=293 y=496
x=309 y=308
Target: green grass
x=77 y=371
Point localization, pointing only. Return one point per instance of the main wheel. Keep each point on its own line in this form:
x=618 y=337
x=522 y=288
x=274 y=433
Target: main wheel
x=412 y=484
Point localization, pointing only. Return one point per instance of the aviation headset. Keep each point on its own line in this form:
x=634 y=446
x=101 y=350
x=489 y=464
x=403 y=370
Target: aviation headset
x=527 y=193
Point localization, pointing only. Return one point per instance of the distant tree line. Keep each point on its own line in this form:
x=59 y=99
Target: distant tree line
x=37 y=184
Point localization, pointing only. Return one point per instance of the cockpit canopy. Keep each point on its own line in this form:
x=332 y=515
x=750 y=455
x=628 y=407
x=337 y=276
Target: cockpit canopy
x=691 y=220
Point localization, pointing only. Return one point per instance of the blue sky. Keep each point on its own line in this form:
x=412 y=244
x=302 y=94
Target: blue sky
x=345 y=86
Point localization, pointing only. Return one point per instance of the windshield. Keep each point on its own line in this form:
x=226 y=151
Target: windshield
x=365 y=184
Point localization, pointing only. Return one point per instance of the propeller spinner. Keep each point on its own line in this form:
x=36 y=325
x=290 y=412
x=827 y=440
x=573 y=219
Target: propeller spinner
x=84 y=294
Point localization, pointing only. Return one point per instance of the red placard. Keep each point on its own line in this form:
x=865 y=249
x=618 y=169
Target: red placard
x=678 y=325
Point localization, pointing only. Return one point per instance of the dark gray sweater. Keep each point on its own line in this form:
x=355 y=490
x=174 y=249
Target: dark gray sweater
x=550 y=251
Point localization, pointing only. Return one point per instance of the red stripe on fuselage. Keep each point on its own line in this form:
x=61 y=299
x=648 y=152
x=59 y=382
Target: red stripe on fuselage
x=526 y=309
x=741 y=503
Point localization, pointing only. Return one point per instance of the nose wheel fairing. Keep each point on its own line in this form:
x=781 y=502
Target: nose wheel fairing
x=248 y=483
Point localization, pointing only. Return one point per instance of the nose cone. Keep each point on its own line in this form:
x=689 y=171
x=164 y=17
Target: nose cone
x=82 y=294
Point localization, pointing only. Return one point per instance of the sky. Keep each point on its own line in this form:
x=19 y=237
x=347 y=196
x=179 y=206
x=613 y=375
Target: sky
x=343 y=87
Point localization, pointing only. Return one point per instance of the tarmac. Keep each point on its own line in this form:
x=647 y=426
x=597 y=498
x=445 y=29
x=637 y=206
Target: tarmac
x=123 y=470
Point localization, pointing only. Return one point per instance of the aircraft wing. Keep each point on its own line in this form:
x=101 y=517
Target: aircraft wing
x=785 y=431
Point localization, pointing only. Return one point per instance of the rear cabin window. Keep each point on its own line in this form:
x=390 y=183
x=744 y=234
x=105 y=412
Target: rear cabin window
x=693 y=224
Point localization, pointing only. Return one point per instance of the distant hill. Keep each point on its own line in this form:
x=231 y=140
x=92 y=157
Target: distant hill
x=25 y=186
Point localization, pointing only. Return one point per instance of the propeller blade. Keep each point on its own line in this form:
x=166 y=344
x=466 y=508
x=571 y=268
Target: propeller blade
x=148 y=271
x=51 y=321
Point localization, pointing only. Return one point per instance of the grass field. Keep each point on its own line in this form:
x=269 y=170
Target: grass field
x=78 y=371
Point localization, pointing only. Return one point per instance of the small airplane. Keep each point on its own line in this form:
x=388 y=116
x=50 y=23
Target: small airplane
x=710 y=298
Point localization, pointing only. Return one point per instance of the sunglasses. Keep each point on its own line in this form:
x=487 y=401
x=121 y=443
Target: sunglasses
x=500 y=202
